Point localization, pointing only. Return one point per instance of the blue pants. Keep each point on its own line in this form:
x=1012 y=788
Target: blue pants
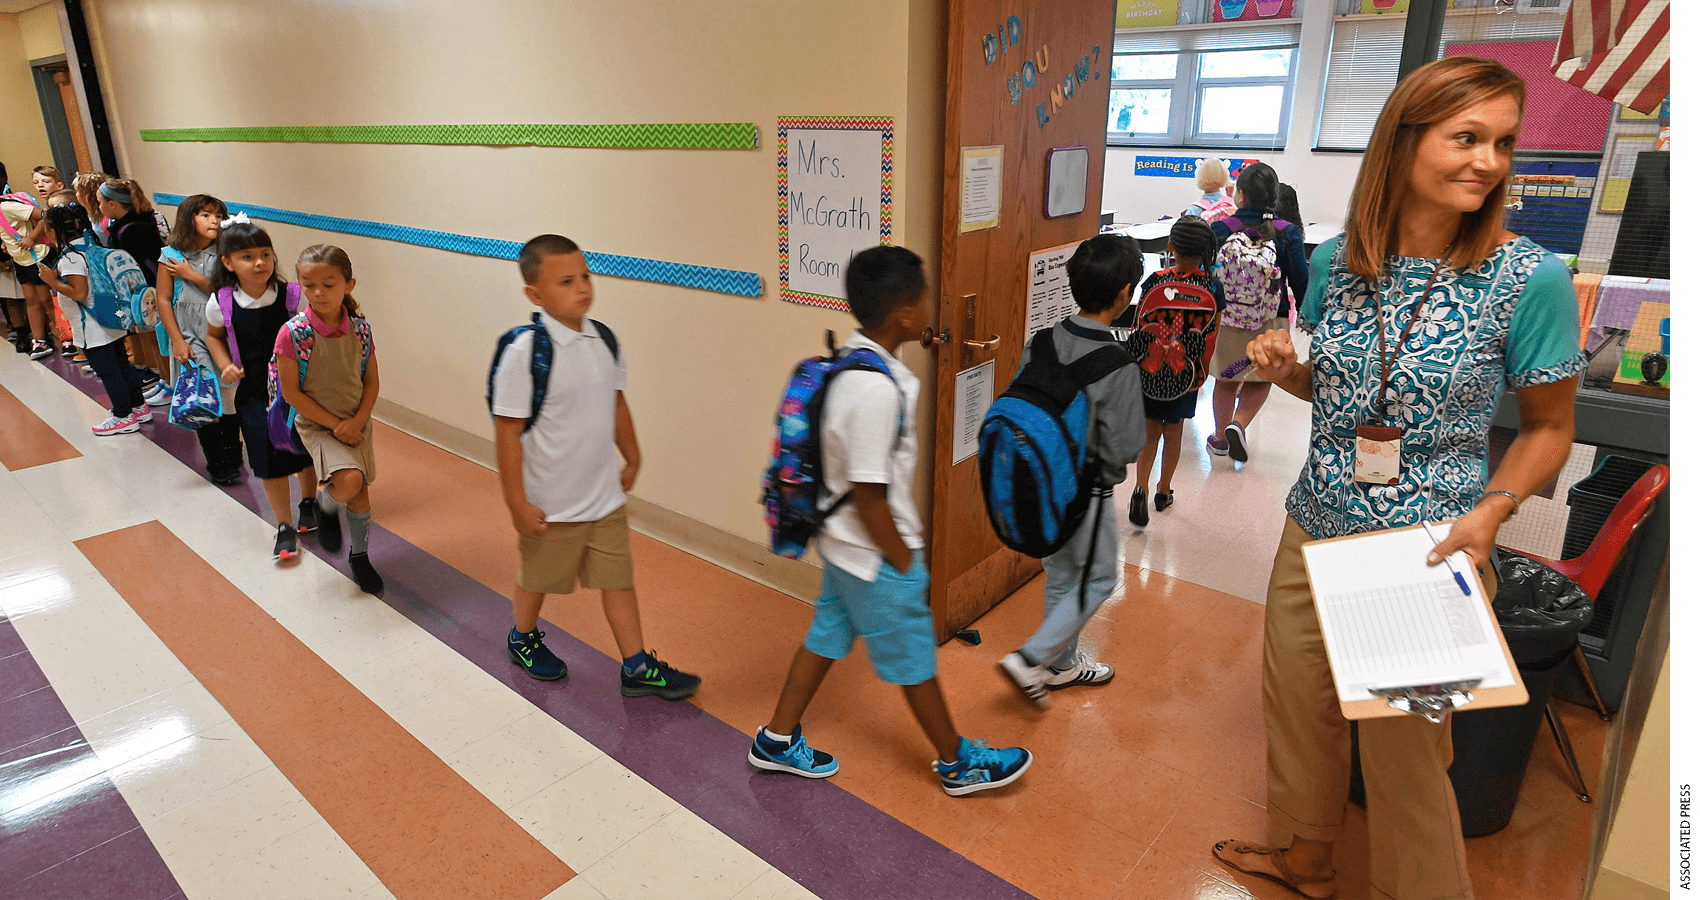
x=890 y=613
x=111 y=363
x=1057 y=641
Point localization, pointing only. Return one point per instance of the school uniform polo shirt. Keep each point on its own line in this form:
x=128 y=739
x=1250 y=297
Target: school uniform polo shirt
x=861 y=443
x=572 y=468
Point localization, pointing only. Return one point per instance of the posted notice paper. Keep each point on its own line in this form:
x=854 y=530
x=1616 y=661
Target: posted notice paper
x=982 y=187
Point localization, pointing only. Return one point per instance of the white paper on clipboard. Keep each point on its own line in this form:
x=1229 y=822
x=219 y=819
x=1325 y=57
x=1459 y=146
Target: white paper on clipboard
x=1391 y=620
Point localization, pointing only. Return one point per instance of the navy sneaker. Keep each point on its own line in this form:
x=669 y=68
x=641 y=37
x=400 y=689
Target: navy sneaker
x=981 y=768
x=527 y=652
x=285 y=547
x=307 y=516
x=372 y=583
x=657 y=679
x=330 y=526
x=796 y=757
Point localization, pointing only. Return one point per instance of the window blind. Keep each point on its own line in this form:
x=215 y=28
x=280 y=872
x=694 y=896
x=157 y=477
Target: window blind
x=1180 y=40
x=1363 y=64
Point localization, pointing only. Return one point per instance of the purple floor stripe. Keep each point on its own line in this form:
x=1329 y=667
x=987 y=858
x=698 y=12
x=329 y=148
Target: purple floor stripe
x=65 y=831
x=823 y=837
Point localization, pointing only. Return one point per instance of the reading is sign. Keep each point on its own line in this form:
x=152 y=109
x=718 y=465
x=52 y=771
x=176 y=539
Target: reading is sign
x=834 y=200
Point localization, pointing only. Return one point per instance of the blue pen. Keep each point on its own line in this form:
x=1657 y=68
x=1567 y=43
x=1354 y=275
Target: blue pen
x=1456 y=575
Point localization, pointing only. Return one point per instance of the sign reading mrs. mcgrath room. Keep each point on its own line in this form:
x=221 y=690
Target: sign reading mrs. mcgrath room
x=834 y=200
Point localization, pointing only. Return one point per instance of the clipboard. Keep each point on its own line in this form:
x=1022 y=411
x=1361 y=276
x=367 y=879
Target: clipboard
x=1445 y=698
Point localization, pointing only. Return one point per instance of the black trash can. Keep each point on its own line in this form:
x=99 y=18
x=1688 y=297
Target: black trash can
x=1541 y=613
x=1592 y=499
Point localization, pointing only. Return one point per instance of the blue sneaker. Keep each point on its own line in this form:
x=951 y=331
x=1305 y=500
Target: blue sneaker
x=981 y=768
x=527 y=652
x=796 y=757
x=657 y=679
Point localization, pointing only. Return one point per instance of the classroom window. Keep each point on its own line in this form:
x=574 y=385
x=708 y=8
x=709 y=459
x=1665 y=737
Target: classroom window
x=1205 y=87
x=1363 y=61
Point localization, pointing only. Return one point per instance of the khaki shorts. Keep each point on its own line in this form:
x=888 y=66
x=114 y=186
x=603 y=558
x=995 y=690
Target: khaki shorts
x=331 y=456
x=597 y=555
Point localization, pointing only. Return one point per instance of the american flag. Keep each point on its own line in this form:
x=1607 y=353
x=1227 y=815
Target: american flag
x=1618 y=49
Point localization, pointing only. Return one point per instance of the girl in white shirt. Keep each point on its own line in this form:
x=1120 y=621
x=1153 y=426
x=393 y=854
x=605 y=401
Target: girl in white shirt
x=103 y=346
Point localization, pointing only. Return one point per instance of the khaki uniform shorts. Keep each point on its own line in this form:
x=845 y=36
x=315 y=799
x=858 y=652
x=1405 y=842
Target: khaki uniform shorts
x=597 y=555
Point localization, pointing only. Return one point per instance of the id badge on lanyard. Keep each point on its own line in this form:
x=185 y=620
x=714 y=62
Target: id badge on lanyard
x=1379 y=449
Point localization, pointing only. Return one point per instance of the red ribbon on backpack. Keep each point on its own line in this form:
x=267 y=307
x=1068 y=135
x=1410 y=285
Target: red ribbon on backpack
x=1165 y=353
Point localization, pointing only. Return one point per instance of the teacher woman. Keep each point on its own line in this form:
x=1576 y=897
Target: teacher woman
x=1419 y=312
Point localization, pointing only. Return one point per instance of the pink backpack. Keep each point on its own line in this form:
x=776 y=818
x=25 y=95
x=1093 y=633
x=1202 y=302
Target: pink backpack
x=1221 y=209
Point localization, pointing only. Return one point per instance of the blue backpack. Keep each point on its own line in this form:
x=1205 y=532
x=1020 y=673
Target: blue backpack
x=120 y=296
x=1036 y=473
x=542 y=358
x=792 y=486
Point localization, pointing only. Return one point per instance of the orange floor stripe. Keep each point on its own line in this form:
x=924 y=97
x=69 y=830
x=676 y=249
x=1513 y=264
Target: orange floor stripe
x=420 y=827
x=26 y=440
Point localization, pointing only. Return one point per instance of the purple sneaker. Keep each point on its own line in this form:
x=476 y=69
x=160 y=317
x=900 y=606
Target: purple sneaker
x=1216 y=446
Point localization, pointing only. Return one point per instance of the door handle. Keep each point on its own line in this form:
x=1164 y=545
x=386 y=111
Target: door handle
x=931 y=338
x=988 y=344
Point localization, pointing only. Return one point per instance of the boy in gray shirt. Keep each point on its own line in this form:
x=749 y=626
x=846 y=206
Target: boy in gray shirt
x=1102 y=274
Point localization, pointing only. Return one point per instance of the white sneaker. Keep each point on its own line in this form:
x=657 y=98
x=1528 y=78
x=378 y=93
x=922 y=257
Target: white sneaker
x=1030 y=680
x=1087 y=671
x=160 y=398
x=114 y=425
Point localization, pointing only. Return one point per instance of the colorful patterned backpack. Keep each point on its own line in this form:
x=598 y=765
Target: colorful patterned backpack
x=120 y=296
x=280 y=416
x=1174 y=334
x=792 y=487
x=542 y=359
x=1251 y=279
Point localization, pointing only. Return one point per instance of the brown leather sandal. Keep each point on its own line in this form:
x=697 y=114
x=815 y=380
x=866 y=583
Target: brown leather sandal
x=1286 y=877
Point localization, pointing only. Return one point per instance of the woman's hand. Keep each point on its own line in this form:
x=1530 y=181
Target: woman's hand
x=1274 y=355
x=180 y=350
x=231 y=374
x=1475 y=533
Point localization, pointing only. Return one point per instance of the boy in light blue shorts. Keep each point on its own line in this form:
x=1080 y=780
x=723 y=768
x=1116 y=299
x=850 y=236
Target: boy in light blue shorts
x=875 y=581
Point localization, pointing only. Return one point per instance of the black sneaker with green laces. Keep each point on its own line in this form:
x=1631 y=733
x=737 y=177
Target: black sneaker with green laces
x=655 y=678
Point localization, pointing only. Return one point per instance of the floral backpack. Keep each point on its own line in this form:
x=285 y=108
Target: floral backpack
x=280 y=416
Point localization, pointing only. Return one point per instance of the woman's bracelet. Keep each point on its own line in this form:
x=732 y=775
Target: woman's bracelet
x=1515 y=503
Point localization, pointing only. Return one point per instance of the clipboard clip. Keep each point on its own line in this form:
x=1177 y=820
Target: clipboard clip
x=1431 y=701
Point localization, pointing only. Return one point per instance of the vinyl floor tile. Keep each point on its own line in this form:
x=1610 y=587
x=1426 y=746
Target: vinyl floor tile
x=701 y=862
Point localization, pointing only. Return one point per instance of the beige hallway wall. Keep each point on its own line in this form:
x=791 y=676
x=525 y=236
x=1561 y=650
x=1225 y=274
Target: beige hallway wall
x=706 y=368
x=23 y=135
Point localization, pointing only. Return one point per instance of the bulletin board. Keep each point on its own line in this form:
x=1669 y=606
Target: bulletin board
x=835 y=178
x=1557 y=114
x=1551 y=202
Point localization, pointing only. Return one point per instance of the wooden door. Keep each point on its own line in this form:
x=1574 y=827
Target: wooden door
x=1027 y=76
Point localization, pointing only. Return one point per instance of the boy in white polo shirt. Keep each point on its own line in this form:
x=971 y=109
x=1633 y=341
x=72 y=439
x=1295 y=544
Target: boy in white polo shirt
x=560 y=415
x=874 y=583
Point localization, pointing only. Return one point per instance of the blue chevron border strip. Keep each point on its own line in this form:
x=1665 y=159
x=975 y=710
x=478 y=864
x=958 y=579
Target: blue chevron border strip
x=702 y=278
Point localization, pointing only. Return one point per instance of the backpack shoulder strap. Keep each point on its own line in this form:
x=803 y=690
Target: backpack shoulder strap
x=607 y=335
x=291 y=296
x=1098 y=364
x=300 y=333
x=363 y=330
x=542 y=360
x=1043 y=347
x=226 y=297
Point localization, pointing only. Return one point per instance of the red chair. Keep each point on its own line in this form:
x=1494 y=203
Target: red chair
x=1589 y=572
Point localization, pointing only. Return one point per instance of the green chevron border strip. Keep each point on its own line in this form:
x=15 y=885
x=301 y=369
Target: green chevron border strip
x=673 y=136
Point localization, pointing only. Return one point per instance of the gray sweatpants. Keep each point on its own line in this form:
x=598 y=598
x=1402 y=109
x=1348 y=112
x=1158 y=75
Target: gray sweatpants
x=1057 y=641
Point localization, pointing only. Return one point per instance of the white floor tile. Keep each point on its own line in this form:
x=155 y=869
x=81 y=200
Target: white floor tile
x=313 y=862
x=210 y=844
x=586 y=815
x=188 y=770
x=577 y=889
x=775 y=885
x=82 y=497
x=521 y=759
x=153 y=723
x=699 y=862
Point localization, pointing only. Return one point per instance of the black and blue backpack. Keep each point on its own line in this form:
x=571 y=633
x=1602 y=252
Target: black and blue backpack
x=542 y=359
x=792 y=486
x=1037 y=474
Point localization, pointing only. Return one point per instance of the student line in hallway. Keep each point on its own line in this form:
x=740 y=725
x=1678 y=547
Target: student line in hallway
x=1168 y=723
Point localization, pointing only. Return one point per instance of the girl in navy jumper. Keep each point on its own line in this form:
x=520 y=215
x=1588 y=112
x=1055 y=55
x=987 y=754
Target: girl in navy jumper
x=259 y=304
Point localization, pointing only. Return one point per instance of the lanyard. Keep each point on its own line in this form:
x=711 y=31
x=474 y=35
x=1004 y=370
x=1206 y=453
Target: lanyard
x=1381 y=333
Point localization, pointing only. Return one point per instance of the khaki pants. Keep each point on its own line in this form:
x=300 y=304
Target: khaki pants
x=1415 y=842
